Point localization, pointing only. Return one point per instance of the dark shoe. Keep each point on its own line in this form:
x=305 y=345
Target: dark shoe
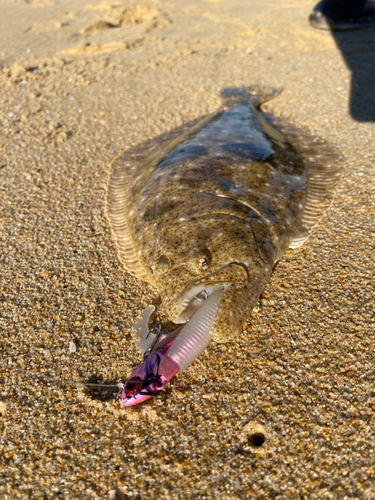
x=343 y=15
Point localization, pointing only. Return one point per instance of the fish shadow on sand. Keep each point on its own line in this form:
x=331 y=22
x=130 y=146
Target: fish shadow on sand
x=100 y=389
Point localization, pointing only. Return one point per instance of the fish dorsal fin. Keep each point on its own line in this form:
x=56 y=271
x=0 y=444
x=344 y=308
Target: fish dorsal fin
x=324 y=167
x=119 y=212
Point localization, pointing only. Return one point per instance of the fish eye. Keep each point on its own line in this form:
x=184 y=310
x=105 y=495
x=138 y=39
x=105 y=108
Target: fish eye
x=204 y=263
x=199 y=262
x=161 y=265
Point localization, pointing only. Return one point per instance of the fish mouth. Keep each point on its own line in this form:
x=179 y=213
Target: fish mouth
x=195 y=295
x=193 y=298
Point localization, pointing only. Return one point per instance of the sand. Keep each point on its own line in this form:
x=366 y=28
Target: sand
x=287 y=411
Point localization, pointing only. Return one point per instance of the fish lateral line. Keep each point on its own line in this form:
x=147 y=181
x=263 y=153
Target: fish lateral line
x=238 y=202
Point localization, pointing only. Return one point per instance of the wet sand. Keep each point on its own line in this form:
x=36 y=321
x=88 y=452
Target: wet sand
x=79 y=84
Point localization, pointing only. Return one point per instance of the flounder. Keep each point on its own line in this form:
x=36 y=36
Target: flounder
x=204 y=212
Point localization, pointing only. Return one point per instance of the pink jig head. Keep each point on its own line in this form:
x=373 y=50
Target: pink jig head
x=167 y=353
x=149 y=378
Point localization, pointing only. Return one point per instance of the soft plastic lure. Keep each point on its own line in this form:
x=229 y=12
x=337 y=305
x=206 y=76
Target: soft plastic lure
x=167 y=354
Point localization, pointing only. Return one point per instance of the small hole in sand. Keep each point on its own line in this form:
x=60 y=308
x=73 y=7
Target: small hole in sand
x=257 y=439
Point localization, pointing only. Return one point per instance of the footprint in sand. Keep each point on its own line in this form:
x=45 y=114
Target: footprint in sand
x=139 y=19
x=87 y=49
x=119 y=16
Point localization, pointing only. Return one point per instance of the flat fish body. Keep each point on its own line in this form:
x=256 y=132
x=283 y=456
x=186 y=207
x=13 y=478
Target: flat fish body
x=218 y=202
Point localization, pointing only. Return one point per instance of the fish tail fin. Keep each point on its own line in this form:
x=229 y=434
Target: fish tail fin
x=254 y=95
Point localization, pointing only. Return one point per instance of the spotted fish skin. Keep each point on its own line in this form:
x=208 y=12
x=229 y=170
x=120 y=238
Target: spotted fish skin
x=219 y=202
